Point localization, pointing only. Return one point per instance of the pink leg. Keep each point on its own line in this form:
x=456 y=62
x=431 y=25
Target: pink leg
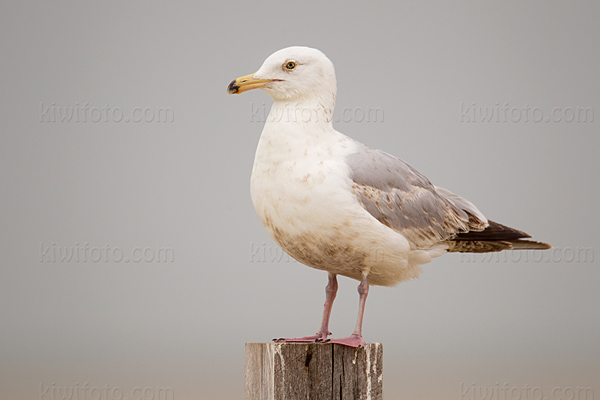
x=356 y=339
x=330 y=292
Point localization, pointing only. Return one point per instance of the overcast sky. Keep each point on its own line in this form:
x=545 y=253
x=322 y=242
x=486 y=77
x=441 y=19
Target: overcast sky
x=132 y=256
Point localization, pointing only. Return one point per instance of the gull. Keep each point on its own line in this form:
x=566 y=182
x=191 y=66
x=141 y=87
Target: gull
x=337 y=205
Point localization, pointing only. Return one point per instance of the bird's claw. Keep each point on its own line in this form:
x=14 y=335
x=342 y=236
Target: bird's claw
x=352 y=341
x=317 y=338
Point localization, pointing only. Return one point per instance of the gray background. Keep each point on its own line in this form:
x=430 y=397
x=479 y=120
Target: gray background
x=184 y=185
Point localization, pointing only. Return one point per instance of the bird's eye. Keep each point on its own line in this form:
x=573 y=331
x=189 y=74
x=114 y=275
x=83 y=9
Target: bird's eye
x=290 y=65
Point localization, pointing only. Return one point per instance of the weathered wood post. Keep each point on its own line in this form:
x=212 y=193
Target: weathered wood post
x=313 y=371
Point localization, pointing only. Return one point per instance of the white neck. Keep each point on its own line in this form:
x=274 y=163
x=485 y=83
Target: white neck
x=301 y=112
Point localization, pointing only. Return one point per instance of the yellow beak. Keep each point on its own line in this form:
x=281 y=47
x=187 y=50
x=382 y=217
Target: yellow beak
x=244 y=83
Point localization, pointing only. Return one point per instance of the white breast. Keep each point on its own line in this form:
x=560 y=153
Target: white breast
x=299 y=175
x=302 y=193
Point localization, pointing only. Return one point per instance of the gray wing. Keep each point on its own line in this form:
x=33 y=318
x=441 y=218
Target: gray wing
x=401 y=198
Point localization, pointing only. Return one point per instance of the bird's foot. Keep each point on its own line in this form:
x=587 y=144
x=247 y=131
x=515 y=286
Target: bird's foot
x=352 y=341
x=319 y=337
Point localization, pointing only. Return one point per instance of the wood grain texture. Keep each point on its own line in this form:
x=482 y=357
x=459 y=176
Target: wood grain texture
x=313 y=371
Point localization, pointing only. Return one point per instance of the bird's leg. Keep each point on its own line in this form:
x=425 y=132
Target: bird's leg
x=330 y=292
x=356 y=339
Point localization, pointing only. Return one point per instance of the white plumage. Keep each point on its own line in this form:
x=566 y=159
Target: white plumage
x=337 y=205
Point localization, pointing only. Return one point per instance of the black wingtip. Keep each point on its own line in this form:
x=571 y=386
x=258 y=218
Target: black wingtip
x=494 y=232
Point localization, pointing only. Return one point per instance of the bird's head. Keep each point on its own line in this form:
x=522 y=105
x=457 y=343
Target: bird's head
x=292 y=74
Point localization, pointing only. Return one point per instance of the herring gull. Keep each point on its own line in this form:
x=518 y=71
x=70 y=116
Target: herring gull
x=337 y=205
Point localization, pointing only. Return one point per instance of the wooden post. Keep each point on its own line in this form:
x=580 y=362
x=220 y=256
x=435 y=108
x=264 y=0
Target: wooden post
x=313 y=371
